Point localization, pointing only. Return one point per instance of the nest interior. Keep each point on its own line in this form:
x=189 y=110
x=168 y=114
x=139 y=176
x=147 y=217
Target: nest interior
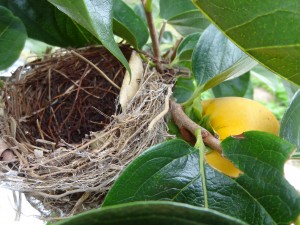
x=63 y=98
x=70 y=141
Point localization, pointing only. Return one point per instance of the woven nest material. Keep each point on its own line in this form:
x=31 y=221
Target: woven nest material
x=68 y=137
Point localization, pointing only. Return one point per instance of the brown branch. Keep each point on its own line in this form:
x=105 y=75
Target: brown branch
x=154 y=38
x=183 y=121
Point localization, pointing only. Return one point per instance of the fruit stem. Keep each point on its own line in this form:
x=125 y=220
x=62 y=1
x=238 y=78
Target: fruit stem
x=183 y=121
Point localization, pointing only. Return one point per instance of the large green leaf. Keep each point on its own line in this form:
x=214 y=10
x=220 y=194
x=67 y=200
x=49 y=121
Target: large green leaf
x=46 y=23
x=171 y=171
x=233 y=87
x=151 y=213
x=128 y=25
x=216 y=58
x=12 y=38
x=267 y=30
x=263 y=177
x=96 y=17
x=290 y=123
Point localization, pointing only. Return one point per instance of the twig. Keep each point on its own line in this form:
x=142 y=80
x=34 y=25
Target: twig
x=97 y=68
x=153 y=34
x=162 y=113
x=161 y=32
x=183 y=121
x=84 y=197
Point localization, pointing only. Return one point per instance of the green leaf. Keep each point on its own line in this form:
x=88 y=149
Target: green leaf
x=261 y=156
x=183 y=16
x=266 y=30
x=151 y=213
x=128 y=25
x=185 y=50
x=184 y=88
x=290 y=123
x=171 y=171
x=12 y=38
x=96 y=17
x=46 y=23
x=233 y=87
x=189 y=22
x=216 y=58
x=171 y=8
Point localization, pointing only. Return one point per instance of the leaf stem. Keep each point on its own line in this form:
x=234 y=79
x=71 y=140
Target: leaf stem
x=200 y=145
x=147 y=4
x=183 y=121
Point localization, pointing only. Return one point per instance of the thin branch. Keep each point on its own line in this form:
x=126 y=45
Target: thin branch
x=153 y=34
x=183 y=121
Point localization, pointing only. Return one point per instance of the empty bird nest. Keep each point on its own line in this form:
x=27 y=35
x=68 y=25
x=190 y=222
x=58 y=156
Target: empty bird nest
x=65 y=138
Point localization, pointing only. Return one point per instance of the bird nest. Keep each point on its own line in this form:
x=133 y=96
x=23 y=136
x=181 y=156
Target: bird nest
x=64 y=136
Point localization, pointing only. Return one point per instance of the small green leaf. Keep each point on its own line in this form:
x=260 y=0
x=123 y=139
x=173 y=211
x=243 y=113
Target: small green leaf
x=216 y=58
x=128 y=25
x=12 y=38
x=233 y=87
x=171 y=171
x=185 y=50
x=171 y=8
x=183 y=16
x=266 y=30
x=290 y=123
x=189 y=22
x=184 y=89
x=96 y=17
x=151 y=213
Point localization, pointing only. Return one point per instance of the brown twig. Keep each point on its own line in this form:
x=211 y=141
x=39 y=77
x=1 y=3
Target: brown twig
x=154 y=37
x=183 y=121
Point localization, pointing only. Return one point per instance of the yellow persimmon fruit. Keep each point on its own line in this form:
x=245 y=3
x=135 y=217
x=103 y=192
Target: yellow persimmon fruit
x=233 y=116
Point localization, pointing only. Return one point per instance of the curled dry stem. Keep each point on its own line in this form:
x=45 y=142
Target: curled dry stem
x=183 y=121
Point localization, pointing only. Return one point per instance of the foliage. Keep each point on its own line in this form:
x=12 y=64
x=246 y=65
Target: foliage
x=222 y=43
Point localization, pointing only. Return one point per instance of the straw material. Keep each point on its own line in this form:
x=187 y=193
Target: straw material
x=65 y=131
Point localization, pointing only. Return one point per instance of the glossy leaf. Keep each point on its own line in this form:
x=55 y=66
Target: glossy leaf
x=216 y=58
x=266 y=30
x=46 y=23
x=263 y=177
x=189 y=22
x=12 y=38
x=151 y=213
x=183 y=16
x=233 y=87
x=96 y=17
x=290 y=123
x=185 y=50
x=171 y=8
x=184 y=89
x=171 y=171
x=128 y=25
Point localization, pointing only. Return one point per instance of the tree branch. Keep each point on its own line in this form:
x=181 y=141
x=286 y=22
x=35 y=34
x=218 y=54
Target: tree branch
x=147 y=4
x=183 y=121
